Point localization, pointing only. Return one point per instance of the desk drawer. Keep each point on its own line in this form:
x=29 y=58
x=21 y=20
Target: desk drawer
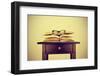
x=56 y=48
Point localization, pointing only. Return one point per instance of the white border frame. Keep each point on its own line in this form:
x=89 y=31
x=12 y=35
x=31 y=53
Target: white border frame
x=24 y=64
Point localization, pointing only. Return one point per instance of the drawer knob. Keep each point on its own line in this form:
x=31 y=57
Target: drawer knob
x=59 y=48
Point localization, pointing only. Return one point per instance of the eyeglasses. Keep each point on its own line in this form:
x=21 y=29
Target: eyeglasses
x=58 y=33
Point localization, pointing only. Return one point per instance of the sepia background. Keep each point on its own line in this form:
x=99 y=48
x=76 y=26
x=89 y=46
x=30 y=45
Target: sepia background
x=38 y=25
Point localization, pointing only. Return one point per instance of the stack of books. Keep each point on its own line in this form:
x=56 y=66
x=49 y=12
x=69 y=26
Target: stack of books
x=58 y=36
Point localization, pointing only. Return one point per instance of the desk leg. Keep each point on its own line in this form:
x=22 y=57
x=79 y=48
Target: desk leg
x=44 y=54
x=73 y=53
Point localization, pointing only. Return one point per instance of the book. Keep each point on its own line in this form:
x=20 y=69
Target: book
x=58 y=36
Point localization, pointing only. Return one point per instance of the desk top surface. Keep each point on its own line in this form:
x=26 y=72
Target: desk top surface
x=58 y=42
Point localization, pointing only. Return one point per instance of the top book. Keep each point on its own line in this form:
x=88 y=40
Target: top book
x=58 y=33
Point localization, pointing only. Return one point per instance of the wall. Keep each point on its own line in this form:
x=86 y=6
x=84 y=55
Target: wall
x=5 y=38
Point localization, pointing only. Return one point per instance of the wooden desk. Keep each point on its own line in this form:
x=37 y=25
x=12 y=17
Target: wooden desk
x=58 y=48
